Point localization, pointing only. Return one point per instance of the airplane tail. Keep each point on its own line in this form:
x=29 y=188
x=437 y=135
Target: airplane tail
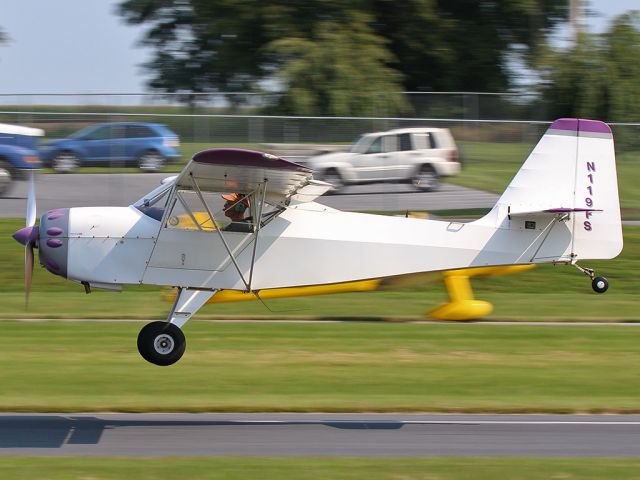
x=570 y=173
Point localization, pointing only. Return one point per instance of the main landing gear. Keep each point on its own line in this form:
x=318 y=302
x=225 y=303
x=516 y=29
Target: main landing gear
x=163 y=343
x=599 y=284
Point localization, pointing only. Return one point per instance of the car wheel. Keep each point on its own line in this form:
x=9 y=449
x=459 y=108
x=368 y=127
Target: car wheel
x=333 y=177
x=151 y=161
x=65 y=162
x=6 y=177
x=426 y=179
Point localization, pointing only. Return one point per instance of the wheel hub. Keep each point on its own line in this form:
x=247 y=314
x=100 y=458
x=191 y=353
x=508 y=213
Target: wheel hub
x=164 y=344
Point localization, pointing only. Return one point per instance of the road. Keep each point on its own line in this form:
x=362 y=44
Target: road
x=85 y=190
x=367 y=435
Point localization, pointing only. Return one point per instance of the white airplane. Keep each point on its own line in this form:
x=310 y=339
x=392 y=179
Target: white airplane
x=561 y=207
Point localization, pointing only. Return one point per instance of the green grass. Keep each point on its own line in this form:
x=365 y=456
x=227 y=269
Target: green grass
x=232 y=468
x=323 y=366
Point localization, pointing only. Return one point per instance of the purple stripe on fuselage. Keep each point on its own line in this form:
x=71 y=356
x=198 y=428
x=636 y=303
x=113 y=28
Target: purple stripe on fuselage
x=246 y=158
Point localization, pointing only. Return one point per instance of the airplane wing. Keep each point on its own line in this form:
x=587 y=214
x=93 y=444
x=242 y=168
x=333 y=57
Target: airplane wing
x=241 y=171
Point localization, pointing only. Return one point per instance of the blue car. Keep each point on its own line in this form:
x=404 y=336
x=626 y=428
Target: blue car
x=18 y=153
x=147 y=145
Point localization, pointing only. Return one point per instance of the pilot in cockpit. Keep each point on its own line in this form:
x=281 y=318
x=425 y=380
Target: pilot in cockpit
x=236 y=208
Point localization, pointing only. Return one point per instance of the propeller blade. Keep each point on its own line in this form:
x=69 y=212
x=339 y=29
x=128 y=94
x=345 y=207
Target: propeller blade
x=28 y=272
x=31 y=202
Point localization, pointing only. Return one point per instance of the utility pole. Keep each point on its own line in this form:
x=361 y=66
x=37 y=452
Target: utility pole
x=576 y=17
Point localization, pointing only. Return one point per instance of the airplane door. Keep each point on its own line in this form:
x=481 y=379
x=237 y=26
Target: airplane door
x=196 y=249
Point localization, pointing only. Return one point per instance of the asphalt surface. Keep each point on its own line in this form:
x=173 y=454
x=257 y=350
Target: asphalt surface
x=366 y=435
x=90 y=190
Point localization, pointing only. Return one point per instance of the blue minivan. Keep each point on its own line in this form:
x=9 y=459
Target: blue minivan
x=147 y=145
x=18 y=153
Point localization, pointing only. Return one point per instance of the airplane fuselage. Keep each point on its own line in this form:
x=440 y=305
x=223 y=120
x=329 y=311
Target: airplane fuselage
x=307 y=244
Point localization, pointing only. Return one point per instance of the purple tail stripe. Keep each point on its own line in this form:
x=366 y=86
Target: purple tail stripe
x=580 y=125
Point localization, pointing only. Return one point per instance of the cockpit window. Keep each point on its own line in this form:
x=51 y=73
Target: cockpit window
x=154 y=203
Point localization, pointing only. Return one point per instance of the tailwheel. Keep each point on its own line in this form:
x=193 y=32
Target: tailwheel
x=599 y=284
x=161 y=343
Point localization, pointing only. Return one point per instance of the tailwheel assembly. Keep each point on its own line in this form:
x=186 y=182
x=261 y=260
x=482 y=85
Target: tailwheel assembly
x=599 y=284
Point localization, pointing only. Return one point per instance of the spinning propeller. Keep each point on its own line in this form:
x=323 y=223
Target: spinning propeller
x=28 y=236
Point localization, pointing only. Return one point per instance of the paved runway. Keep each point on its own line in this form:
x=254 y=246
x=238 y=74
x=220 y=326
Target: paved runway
x=86 y=190
x=367 y=435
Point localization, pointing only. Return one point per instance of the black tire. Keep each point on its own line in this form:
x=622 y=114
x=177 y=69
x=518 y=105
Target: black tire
x=333 y=177
x=65 y=162
x=161 y=343
x=426 y=179
x=600 y=284
x=151 y=161
x=6 y=177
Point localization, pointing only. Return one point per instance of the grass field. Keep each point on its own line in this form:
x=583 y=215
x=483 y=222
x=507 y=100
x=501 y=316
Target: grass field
x=199 y=468
x=323 y=366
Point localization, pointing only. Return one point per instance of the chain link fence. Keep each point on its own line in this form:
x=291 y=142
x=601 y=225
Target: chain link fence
x=236 y=119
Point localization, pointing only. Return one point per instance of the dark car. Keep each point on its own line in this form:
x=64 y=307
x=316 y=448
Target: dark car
x=18 y=153
x=147 y=145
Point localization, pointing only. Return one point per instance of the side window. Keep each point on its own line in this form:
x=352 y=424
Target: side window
x=118 y=131
x=390 y=143
x=138 y=131
x=376 y=146
x=423 y=141
x=102 y=133
x=405 y=142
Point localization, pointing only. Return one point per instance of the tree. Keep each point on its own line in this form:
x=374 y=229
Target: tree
x=340 y=71
x=228 y=45
x=598 y=76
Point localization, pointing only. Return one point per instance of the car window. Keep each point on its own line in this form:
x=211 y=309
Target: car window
x=361 y=145
x=139 y=131
x=376 y=146
x=423 y=140
x=100 y=133
x=118 y=131
x=390 y=143
x=405 y=142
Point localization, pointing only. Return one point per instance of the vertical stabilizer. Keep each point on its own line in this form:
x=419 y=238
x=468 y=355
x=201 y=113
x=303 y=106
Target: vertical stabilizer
x=572 y=171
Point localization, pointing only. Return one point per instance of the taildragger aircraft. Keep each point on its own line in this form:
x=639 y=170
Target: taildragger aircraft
x=561 y=207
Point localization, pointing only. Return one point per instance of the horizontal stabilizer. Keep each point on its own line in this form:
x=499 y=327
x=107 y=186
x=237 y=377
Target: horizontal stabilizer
x=550 y=211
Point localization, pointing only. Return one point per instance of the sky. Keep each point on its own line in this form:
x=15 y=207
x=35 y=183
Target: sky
x=82 y=46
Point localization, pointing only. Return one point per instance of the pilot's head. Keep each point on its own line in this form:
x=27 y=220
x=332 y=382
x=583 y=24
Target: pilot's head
x=235 y=206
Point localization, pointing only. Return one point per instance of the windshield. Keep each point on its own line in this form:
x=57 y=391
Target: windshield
x=362 y=144
x=154 y=203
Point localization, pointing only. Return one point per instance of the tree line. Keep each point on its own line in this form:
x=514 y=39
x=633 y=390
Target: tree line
x=340 y=57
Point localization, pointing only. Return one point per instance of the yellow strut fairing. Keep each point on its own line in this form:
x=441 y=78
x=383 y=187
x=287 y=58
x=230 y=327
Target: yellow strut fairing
x=461 y=306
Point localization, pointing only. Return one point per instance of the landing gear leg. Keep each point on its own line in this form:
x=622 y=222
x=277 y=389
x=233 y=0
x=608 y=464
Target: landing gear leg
x=599 y=284
x=163 y=343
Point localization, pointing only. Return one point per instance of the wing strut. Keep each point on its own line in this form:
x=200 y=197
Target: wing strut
x=224 y=242
x=258 y=226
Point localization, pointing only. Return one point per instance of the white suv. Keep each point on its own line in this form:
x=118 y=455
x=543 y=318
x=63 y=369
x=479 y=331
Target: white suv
x=417 y=155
